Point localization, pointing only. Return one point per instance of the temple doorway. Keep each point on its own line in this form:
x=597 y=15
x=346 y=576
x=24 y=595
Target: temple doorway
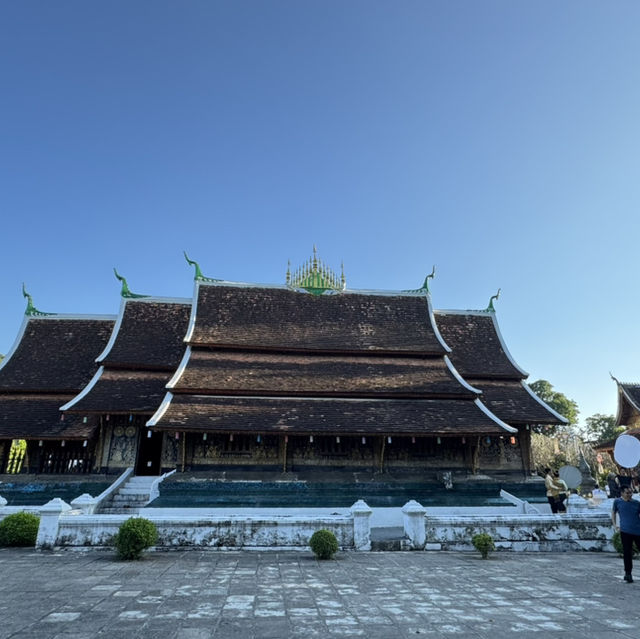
x=149 y=453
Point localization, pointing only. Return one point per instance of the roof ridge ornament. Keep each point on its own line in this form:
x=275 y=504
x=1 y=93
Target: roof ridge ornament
x=490 y=308
x=315 y=277
x=425 y=286
x=125 y=291
x=198 y=276
x=31 y=310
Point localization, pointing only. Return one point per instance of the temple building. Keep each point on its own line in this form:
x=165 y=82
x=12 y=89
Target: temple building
x=52 y=359
x=142 y=354
x=308 y=376
x=627 y=415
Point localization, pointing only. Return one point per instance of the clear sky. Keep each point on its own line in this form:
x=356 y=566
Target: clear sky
x=498 y=140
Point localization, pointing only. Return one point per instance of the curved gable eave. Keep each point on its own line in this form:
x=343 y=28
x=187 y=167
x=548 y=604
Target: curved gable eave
x=194 y=312
x=180 y=370
x=162 y=409
x=625 y=395
x=494 y=417
x=434 y=326
x=16 y=342
x=562 y=420
x=85 y=391
x=505 y=349
x=459 y=377
x=114 y=332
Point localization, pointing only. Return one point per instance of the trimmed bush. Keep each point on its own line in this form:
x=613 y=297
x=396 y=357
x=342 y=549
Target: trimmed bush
x=134 y=536
x=19 y=529
x=483 y=543
x=323 y=544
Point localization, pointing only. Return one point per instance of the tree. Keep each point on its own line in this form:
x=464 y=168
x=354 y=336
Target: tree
x=600 y=428
x=556 y=400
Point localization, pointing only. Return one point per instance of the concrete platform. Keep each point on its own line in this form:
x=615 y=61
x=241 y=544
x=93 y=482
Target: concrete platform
x=200 y=594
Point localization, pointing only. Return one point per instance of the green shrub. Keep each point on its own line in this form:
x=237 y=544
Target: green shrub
x=617 y=544
x=323 y=544
x=19 y=529
x=483 y=543
x=134 y=536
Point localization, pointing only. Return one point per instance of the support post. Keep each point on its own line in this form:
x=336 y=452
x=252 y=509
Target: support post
x=284 y=454
x=361 y=525
x=414 y=524
x=49 y=520
x=382 y=455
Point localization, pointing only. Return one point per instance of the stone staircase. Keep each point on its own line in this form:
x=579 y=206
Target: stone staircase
x=133 y=496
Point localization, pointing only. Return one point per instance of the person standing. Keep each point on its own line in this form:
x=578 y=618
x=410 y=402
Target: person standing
x=628 y=512
x=552 y=490
x=562 y=492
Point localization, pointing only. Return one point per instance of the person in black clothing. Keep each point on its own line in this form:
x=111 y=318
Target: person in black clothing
x=628 y=512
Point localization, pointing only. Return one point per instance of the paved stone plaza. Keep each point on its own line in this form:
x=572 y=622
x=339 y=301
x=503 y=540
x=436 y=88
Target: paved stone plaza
x=197 y=594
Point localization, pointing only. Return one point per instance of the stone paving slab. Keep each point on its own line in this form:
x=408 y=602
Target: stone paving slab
x=196 y=594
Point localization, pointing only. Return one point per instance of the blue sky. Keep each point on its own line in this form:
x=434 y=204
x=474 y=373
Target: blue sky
x=497 y=140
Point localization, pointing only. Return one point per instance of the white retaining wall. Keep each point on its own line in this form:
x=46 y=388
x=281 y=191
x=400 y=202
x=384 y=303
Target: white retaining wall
x=588 y=531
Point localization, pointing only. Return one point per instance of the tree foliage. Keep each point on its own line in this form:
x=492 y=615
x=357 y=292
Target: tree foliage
x=556 y=400
x=600 y=428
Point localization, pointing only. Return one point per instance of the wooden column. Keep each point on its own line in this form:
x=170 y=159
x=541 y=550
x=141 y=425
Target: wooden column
x=284 y=453
x=382 y=454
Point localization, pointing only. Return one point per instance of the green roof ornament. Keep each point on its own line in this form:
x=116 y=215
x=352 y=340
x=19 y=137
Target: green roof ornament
x=425 y=286
x=31 y=310
x=490 y=308
x=125 y=291
x=315 y=277
x=198 y=273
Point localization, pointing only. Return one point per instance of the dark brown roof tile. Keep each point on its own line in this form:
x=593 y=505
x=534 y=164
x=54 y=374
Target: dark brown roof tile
x=55 y=354
x=325 y=416
x=150 y=335
x=278 y=318
x=478 y=351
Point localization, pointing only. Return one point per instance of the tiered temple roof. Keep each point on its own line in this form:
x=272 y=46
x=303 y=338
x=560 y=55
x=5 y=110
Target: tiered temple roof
x=145 y=348
x=52 y=360
x=628 y=404
x=308 y=357
x=273 y=359
x=481 y=357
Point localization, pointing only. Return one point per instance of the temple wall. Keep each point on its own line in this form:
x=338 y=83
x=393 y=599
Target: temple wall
x=120 y=443
x=498 y=453
x=469 y=455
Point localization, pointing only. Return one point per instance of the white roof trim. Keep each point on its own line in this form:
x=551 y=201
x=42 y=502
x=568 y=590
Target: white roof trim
x=67 y=316
x=194 y=311
x=434 y=326
x=496 y=326
x=457 y=375
x=183 y=364
x=162 y=409
x=629 y=399
x=562 y=419
x=152 y=299
x=18 y=339
x=85 y=391
x=457 y=311
x=114 y=332
x=495 y=418
x=504 y=346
